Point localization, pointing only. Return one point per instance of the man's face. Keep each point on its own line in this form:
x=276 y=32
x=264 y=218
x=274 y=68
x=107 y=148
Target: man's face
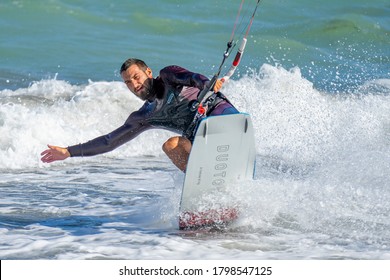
x=138 y=81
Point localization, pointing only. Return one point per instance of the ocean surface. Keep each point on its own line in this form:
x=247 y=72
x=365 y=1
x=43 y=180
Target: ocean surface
x=315 y=77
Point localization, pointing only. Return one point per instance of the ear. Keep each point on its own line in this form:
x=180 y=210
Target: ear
x=149 y=72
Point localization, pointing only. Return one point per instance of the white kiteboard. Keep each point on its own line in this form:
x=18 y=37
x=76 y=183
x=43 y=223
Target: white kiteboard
x=223 y=153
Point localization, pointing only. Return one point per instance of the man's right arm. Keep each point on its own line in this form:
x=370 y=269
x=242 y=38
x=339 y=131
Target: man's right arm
x=108 y=142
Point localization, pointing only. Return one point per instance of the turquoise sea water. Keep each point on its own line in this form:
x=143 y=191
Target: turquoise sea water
x=336 y=44
x=315 y=78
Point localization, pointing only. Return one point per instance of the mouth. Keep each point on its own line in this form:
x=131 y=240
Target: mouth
x=139 y=89
x=141 y=92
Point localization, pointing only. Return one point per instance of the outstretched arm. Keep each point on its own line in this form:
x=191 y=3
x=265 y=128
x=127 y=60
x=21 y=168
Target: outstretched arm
x=99 y=145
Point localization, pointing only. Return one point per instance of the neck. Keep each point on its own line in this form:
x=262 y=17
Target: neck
x=157 y=89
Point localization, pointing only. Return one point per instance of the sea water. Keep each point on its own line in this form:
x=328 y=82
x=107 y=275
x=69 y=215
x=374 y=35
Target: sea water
x=315 y=79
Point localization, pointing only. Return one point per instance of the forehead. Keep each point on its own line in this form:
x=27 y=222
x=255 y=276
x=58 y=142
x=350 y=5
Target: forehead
x=132 y=71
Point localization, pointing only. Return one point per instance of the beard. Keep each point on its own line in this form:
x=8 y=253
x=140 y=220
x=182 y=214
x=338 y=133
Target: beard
x=147 y=93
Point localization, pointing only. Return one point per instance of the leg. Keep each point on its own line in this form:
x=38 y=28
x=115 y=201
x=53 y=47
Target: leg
x=178 y=150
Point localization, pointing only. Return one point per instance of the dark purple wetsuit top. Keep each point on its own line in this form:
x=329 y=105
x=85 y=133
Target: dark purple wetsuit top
x=174 y=91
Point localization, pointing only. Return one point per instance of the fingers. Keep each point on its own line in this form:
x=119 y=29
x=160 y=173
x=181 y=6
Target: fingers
x=48 y=150
x=47 y=156
x=47 y=159
x=218 y=85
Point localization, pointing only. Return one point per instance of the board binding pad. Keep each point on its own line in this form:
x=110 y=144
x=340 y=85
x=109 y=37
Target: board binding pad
x=223 y=153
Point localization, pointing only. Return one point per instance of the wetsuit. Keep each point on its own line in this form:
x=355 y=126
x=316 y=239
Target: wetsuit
x=174 y=91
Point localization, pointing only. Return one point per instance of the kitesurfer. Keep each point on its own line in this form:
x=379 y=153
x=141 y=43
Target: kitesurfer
x=169 y=100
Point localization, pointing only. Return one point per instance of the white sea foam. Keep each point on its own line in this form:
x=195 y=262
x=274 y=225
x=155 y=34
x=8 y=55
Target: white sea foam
x=293 y=121
x=321 y=188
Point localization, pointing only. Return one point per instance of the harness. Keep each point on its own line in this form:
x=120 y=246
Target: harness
x=203 y=109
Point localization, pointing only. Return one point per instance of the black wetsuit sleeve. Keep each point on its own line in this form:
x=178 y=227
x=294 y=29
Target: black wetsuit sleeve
x=110 y=141
x=176 y=75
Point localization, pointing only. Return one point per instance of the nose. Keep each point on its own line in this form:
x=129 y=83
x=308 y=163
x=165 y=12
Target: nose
x=132 y=84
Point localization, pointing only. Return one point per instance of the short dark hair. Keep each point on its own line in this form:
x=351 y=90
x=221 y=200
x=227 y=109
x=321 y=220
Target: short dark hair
x=131 y=61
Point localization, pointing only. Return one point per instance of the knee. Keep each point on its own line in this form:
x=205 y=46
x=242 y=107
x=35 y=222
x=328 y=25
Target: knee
x=170 y=144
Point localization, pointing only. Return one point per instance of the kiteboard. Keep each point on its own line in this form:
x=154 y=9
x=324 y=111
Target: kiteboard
x=223 y=154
